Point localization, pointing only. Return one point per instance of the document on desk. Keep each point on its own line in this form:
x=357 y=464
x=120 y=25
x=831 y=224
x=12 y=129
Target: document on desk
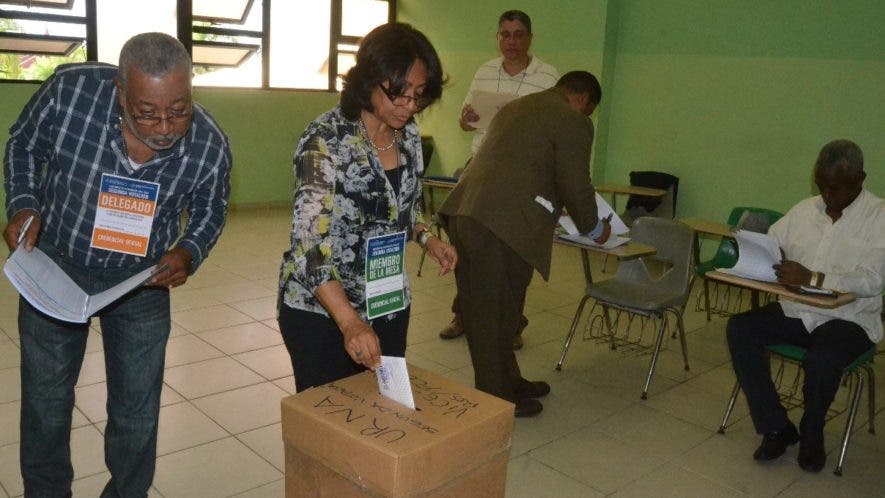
x=757 y=253
x=49 y=289
x=604 y=210
x=486 y=105
x=393 y=380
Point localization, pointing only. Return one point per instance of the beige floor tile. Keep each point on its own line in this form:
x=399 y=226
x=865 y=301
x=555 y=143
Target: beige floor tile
x=245 y=408
x=209 y=377
x=452 y=353
x=275 y=489
x=189 y=348
x=675 y=482
x=528 y=478
x=597 y=459
x=220 y=468
x=242 y=338
x=93 y=485
x=656 y=432
x=267 y=442
x=238 y=291
x=186 y=298
x=93 y=369
x=262 y=308
x=10 y=384
x=10 y=472
x=286 y=384
x=10 y=354
x=271 y=363
x=87 y=450
x=9 y=420
x=209 y=275
x=183 y=426
x=212 y=317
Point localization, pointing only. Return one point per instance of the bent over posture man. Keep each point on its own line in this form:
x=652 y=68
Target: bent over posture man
x=502 y=223
x=94 y=131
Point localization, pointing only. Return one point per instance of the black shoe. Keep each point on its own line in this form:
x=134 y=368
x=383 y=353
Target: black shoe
x=774 y=444
x=528 y=407
x=812 y=456
x=453 y=329
x=528 y=389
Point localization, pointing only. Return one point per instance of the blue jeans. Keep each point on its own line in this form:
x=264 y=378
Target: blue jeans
x=135 y=329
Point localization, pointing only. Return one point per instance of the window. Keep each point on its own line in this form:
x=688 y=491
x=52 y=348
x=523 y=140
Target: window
x=234 y=43
x=305 y=45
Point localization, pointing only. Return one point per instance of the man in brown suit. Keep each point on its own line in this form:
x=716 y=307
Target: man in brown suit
x=534 y=160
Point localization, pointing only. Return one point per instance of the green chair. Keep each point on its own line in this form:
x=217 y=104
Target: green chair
x=727 y=253
x=860 y=366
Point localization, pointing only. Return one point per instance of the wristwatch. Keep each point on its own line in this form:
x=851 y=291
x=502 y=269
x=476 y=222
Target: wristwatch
x=423 y=237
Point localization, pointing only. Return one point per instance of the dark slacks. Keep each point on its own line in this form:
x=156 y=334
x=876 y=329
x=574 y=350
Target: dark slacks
x=830 y=348
x=492 y=282
x=316 y=346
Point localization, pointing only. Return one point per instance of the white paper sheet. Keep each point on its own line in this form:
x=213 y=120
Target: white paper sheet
x=486 y=105
x=757 y=253
x=393 y=380
x=603 y=210
x=612 y=242
x=49 y=289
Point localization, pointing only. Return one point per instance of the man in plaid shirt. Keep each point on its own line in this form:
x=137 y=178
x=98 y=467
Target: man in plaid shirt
x=136 y=129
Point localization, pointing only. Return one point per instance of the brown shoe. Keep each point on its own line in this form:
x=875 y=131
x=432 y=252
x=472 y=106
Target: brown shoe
x=453 y=329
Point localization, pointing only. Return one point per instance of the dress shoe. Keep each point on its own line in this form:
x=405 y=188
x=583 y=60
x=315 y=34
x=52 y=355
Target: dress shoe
x=528 y=407
x=774 y=444
x=529 y=389
x=812 y=456
x=452 y=330
x=517 y=342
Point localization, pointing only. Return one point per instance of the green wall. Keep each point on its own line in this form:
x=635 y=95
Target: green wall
x=735 y=98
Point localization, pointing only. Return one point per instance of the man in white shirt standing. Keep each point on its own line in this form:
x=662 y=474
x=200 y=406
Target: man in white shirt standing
x=516 y=73
x=835 y=240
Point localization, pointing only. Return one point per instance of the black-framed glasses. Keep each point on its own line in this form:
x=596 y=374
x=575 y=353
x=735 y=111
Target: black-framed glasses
x=517 y=36
x=173 y=117
x=402 y=100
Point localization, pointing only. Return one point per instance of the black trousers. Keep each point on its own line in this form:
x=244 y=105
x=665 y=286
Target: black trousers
x=492 y=282
x=830 y=348
x=316 y=346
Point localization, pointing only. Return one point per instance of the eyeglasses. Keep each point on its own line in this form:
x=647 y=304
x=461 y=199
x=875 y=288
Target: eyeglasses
x=517 y=36
x=174 y=117
x=402 y=100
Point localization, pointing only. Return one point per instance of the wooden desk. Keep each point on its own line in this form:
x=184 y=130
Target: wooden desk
x=708 y=227
x=614 y=190
x=630 y=250
x=431 y=183
x=780 y=290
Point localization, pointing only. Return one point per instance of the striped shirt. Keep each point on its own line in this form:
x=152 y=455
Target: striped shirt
x=491 y=77
x=70 y=133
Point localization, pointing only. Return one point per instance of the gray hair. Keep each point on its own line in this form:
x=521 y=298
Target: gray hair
x=155 y=54
x=841 y=153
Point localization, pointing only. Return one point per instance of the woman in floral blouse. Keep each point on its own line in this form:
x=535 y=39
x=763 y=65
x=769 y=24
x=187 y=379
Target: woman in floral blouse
x=357 y=177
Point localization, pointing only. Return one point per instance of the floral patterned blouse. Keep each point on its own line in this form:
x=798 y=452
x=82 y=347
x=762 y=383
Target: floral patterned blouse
x=342 y=198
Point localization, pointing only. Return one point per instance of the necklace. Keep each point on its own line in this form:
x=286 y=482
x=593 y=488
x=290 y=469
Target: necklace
x=379 y=149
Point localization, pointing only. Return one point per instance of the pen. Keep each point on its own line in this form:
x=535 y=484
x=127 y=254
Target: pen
x=25 y=227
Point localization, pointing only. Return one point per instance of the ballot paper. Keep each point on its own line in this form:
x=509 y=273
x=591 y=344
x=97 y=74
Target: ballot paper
x=486 y=105
x=49 y=289
x=604 y=210
x=757 y=254
x=393 y=380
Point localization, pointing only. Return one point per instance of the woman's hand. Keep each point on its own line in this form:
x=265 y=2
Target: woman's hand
x=362 y=344
x=443 y=253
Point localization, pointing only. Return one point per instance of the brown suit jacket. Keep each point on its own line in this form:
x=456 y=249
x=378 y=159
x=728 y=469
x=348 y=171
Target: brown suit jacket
x=536 y=149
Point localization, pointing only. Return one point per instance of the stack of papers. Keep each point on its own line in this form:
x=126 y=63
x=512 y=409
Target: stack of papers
x=604 y=210
x=757 y=254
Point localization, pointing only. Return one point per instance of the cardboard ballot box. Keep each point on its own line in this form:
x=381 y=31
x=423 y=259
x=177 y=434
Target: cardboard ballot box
x=344 y=439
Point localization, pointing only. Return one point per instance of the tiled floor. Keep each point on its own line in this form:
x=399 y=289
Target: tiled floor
x=227 y=370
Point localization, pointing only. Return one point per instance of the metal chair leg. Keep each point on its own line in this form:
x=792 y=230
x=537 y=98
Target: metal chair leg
x=654 y=355
x=706 y=296
x=608 y=326
x=681 y=326
x=871 y=395
x=730 y=407
x=849 y=424
x=571 y=332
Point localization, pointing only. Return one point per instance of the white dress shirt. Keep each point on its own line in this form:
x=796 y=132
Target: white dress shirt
x=850 y=252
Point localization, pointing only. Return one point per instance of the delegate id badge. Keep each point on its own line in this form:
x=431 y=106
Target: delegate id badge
x=385 y=282
x=124 y=215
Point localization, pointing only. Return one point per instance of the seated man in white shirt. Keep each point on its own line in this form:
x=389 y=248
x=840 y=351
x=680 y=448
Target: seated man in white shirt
x=835 y=240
